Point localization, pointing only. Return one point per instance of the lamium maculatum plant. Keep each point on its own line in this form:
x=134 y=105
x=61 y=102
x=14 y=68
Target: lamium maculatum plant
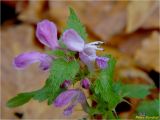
x=72 y=60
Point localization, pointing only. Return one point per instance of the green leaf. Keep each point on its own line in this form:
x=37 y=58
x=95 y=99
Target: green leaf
x=57 y=53
x=74 y=23
x=61 y=70
x=132 y=90
x=149 y=108
x=111 y=115
x=41 y=94
x=20 y=99
x=136 y=91
x=104 y=85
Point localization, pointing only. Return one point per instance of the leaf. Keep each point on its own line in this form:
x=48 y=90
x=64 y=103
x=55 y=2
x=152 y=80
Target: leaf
x=103 y=85
x=74 y=23
x=138 y=16
x=150 y=108
x=57 y=53
x=111 y=115
x=41 y=94
x=61 y=70
x=136 y=91
x=150 y=46
x=132 y=90
x=20 y=99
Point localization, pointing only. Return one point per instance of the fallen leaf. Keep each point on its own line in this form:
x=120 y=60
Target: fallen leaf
x=147 y=56
x=32 y=13
x=138 y=12
x=153 y=21
x=103 y=18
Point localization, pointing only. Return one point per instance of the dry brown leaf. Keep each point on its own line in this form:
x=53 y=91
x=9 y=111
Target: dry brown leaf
x=138 y=76
x=148 y=55
x=103 y=18
x=153 y=22
x=32 y=13
x=128 y=44
x=138 y=12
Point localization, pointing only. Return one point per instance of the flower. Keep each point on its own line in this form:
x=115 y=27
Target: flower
x=72 y=96
x=87 y=52
x=65 y=84
x=102 y=62
x=85 y=83
x=46 y=33
x=24 y=60
x=72 y=40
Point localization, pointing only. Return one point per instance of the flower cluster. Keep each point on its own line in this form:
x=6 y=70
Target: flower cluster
x=46 y=33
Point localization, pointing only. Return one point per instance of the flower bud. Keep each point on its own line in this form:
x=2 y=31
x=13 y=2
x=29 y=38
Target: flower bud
x=102 y=62
x=65 y=84
x=85 y=83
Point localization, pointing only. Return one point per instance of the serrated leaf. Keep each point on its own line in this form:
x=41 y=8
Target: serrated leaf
x=149 y=108
x=61 y=70
x=132 y=90
x=74 y=23
x=136 y=91
x=103 y=85
x=20 y=99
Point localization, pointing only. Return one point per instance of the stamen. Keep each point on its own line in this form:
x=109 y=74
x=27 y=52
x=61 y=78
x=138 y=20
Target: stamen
x=99 y=49
x=96 y=43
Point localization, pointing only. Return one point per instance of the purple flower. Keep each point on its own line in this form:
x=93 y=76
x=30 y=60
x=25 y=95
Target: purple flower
x=24 y=60
x=68 y=111
x=47 y=34
x=73 y=96
x=88 y=60
x=102 y=62
x=87 y=52
x=65 y=84
x=72 y=40
x=85 y=83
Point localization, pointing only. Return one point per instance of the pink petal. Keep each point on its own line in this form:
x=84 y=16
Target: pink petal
x=46 y=33
x=73 y=96
x=24 y=60
x=68 y=111
x=65 y=97
x=73 y=41
x=102 y=62
x=88 y=60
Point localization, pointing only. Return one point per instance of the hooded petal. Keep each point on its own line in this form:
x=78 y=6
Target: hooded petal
x=88 y=60
x=73 y=96
x=65 y=97
x=102 y=62
x=73 y=41
x=24 y=60
x=46 y=33
x=88 y=55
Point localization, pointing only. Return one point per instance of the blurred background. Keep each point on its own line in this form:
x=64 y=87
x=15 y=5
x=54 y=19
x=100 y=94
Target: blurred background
x=130 y=30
